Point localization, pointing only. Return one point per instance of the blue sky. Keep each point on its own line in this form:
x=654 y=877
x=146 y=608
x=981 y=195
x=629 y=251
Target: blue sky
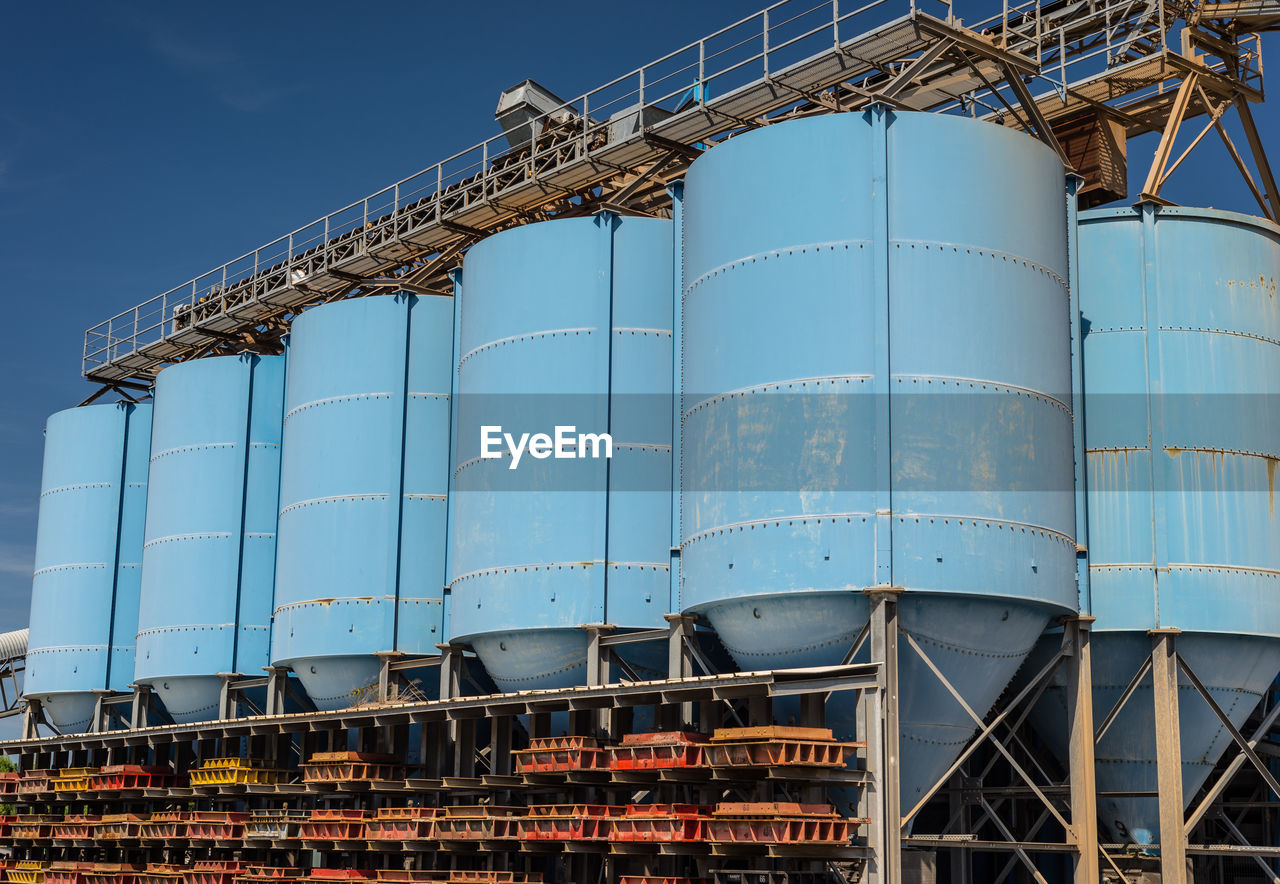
x=144 y=143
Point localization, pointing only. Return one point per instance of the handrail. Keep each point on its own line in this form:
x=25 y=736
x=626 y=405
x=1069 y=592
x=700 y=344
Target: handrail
x=1054 y=35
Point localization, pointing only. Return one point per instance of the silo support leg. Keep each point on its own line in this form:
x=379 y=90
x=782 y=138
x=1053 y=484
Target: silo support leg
x=30 y=716
x=961 y=859
x=140 y=714
x=680 y=641
x=1084 y=796
x=228 y=707
x=884 y=651
x=598 y=673
x=99 y=722
x=1164 y=682
x=450 y=671
x=277 y=687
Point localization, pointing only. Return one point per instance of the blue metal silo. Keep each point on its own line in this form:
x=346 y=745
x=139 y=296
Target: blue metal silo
x=84 y=595
x=876 y=393
x=364 y=474
x=565 y=323
x=209 y=559
x=1182 y=375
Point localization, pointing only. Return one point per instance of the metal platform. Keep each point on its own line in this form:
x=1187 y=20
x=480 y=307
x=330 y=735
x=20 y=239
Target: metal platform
x=1115 y=60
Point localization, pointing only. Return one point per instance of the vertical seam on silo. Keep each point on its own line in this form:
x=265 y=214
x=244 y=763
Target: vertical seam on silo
x=398 y=485
x=880 y=236
x=675 y=585
x=1079 y=457
x=115 y=569
x=275 y=548
x=244 y=503
x=608 y=224
x=1155 y=416
x=455 y=343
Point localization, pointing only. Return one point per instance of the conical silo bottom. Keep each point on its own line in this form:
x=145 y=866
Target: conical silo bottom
x=189 y=698
x=550 y=659
x=1237 y=670
x=978 y=643
x=337 y=682
x=71 y=712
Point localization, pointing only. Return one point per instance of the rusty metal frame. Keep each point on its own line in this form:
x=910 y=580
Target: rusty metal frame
x=1191 y=88
x=423 y=234
x=885 y=631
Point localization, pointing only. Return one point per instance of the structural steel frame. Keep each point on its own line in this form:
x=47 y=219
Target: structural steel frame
x=1035 y=797
x=1147 y=65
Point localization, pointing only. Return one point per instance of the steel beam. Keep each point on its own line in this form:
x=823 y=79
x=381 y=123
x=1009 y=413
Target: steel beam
x=1084 y=797
x=1164 y=681
x=1156 y=175
x=884 y=654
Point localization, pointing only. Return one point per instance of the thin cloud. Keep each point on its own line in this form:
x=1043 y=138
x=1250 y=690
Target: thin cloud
x=220 y=68
x=17 y=558
x=18 y=507
x=186 y=54
x=254 y=101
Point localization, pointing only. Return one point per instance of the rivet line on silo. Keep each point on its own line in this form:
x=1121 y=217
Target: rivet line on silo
x=1236 y=333
x=800 y=383
x=530 y=336
x=76 y=566
x=961 y=649
x=338 y=498
x=975 y=384
x=844 y=639
x=622 y=331
x=177 y=538
x=982 y=252
x=78 y=487
x=333 y=400
x=185 y=449
x=520 y=569
x=737 y=528
x=762 y=257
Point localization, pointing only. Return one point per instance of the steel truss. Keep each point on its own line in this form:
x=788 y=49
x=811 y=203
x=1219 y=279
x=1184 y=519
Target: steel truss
x=694 y=696
x=1112 y=69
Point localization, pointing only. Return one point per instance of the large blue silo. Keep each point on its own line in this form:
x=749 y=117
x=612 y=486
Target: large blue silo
x=209 y=557
x=84 y=594
x=876 y=391
x=1182 y=380
x=364 y=474
x=563 y=324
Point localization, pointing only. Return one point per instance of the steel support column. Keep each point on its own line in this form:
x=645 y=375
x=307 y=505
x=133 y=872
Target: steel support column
x=680 y=639
x=598 y=672
x=884 y=651
x=277 y=689
x=1084 y=796
x=1164 y=682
